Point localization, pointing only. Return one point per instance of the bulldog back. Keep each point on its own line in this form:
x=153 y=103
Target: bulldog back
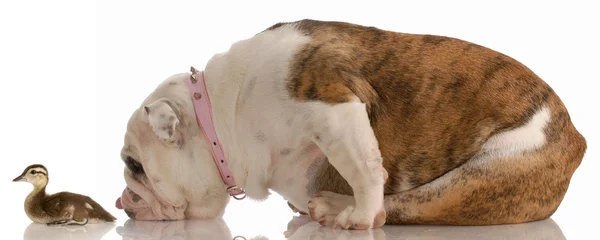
x=435 y=104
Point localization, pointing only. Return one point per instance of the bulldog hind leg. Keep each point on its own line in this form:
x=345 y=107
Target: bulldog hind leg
x=520 y=175
x=344 y=134
x=516 y=189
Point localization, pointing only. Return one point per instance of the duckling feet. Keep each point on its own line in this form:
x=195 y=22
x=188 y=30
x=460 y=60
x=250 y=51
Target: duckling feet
x=61 y=222
x=68 y=222
x=75 y=222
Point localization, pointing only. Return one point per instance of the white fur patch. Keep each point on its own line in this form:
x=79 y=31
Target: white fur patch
x=528 y=137
x=343 y=132
x=255 y=70
x=263 y=119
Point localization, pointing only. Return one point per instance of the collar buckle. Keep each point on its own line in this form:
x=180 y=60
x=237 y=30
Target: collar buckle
x=234 y=191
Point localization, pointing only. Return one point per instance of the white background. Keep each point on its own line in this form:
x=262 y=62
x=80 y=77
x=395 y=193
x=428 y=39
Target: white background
x=72 y=72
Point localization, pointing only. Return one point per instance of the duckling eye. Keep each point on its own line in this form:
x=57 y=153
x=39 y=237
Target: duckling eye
x=33 y=172
x=134 y=166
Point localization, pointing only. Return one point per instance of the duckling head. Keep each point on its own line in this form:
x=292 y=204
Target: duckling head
x=35 y=174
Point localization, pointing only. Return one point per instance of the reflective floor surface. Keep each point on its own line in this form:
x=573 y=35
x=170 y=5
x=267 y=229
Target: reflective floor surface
x=272 y=219
x=300 y=227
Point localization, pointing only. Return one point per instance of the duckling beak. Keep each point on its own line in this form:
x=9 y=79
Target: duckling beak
x=19 y=179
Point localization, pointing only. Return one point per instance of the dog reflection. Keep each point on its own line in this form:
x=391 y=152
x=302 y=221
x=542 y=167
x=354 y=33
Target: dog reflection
x=302 y=227
x=545 y=229
x=188 y=229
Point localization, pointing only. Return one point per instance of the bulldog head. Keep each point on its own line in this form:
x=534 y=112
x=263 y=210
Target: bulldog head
x=169 y=171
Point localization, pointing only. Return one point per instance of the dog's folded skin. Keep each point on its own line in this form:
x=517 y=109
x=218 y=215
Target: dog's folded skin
x=357 y=127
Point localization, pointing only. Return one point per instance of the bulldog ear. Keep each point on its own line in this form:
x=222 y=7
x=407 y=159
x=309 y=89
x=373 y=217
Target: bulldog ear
x=163 y=120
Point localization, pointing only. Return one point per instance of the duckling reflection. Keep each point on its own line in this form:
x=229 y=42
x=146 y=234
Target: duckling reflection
x=89 y=231
x=185 y=229
x=302 y=227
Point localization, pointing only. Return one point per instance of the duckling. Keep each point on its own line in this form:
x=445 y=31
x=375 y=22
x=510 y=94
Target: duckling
x=63 y=208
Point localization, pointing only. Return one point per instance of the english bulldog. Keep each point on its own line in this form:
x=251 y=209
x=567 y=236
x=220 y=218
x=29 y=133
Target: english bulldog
x=355 y=126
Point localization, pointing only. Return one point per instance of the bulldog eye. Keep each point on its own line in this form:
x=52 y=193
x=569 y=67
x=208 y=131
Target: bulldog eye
x=134 y=166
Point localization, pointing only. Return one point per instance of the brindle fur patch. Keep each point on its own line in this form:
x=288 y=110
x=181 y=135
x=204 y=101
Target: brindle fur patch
x=324 y=177
x=433 y=101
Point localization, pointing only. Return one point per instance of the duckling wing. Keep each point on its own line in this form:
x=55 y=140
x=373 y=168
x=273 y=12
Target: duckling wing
x=65 y=203
x=54 y=204
x=61 y=204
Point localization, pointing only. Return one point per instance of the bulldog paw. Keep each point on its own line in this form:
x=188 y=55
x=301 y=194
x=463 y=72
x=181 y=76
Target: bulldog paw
x=336 y=210
x=328 y=203
x=352 y=218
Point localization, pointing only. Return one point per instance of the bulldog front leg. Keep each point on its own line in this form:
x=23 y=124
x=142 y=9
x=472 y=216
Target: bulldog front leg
x=344 y=134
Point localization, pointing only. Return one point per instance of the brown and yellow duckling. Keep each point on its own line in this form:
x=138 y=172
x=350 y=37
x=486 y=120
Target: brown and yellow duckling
x=63 y=208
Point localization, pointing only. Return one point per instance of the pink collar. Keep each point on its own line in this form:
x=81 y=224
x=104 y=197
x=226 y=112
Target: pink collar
x=201 y=101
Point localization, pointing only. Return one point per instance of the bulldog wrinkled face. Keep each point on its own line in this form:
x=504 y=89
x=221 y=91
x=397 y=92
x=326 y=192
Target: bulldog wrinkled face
x=169 y=170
